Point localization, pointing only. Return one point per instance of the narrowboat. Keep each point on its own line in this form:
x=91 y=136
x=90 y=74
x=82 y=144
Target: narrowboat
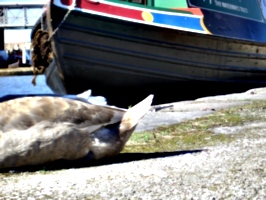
x=126 y=49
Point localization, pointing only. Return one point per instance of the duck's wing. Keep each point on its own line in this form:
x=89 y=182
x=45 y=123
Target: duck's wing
x=132 y=117
x=110 y=140
x=134 y=114
x=23 y=113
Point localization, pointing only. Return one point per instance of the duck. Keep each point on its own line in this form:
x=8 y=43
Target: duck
x=40 y=129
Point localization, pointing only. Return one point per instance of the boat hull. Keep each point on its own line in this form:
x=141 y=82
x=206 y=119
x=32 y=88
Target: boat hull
x=117 y=58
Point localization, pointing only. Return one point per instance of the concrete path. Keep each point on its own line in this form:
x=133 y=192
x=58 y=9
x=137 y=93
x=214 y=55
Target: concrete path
x=185 y=110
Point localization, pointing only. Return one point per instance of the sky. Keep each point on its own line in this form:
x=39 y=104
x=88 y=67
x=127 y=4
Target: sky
x=21 y=35
x=23 y=1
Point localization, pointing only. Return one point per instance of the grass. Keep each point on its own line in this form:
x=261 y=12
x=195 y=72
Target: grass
x=197 y=133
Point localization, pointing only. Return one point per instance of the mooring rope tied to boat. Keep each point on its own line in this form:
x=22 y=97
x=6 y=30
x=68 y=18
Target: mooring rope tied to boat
x=73 y=5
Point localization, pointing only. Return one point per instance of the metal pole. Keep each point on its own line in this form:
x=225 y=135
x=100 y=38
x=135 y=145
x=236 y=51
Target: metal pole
x=25 y=16
x=2 y=39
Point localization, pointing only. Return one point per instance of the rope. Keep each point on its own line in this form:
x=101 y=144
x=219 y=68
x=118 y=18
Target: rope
x=42 y=50
x=42 y=54
x=73 y=5
x=42 y=27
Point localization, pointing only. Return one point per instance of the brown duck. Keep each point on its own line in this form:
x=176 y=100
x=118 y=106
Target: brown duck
x=36 y=130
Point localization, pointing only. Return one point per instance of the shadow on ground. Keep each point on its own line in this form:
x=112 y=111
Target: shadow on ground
x=82 y=163
x=168 y=93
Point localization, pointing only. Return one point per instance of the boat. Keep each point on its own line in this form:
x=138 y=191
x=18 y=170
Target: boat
x=172 y=49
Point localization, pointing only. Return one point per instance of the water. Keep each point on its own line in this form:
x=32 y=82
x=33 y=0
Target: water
x=23 y=85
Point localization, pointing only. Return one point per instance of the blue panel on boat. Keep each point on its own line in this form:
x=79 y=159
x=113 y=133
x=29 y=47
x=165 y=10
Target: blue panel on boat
x=179 y=21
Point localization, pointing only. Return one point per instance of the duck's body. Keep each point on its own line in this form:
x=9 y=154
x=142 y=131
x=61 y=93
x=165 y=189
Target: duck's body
x=35 y=130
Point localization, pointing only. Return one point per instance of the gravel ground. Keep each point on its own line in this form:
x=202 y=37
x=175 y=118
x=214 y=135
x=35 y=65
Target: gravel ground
x=234 y=171
x=231 y=171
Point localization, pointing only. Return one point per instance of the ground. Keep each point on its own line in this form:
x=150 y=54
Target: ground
x=230 y=169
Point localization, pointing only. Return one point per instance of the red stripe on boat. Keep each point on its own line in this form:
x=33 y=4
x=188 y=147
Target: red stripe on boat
x=106 y=8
